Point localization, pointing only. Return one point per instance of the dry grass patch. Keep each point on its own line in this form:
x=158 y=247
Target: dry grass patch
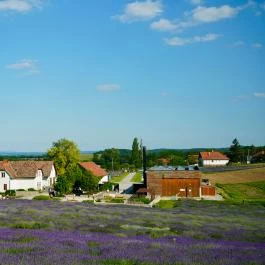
x=241 y=176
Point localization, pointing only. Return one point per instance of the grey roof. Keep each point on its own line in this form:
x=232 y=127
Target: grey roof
x=173 y=168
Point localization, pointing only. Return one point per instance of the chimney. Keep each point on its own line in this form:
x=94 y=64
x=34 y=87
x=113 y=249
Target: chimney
x=144 y=165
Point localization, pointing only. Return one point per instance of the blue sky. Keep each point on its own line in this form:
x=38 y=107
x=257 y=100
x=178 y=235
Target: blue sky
x=178 y=74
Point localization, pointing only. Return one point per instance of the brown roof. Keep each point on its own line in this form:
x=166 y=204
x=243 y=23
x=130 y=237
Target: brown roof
x=95 y=169
x=214 y=155
x=26 y=169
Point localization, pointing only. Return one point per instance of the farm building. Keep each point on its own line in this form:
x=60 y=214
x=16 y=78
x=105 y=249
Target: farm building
x=16 y=175
x=96 y=170
x=177 y=181
x=212 y=159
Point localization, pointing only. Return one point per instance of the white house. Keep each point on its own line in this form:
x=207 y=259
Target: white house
x=212 y=159
x=16 y=175
x=96 y=170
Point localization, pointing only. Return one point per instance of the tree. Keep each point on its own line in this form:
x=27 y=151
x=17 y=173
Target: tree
x=65 y=155
x=111 y=159
x=235 y=151
x=62 y=185
x=87 y=181
x=136 y=154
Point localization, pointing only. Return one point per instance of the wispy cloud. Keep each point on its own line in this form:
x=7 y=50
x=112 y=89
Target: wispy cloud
x=140 y=11
x=177 y=41
x=257 y=45
x=259 y=95
x=108 y=87
x=25 y=67
x=20 y=5
x=239 y=43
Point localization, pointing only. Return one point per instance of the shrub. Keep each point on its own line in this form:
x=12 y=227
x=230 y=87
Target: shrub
x=31 y=189
x=141 y=200
x=34 y=225
x=42 y=198
x=10 y=193
x=20 y=190
x=117 y=200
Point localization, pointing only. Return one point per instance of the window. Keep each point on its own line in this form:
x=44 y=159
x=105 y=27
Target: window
x=3 y=174
x=5 y=186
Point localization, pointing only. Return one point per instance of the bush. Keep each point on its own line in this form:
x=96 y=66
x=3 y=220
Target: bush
x=34 y=225
x=117 y=200
x=31 y=189
x=20 y=190
x=10 y=193
x=107 y=186
x=42 y=198
x=142 y=200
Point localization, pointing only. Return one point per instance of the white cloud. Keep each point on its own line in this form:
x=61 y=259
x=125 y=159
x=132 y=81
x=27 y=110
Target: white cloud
x=196 y=2
x=239 y=43
x=163 y=25
x=200 y=15
x=25 y=66
x=20 y=5
x=22 y=64
x=259 y=95
x=213 y=14
x=177 y=41
x=257 y=45
x=140 y=11
x=108 y=87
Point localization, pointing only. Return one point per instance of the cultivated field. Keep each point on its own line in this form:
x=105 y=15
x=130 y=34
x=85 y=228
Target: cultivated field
x=241 y=176
x=52 y=232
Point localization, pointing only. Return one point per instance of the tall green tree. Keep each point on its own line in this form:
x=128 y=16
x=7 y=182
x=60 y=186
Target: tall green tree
x=65 y=155
x=111 y=159
x=235 y=151
x=136 y=154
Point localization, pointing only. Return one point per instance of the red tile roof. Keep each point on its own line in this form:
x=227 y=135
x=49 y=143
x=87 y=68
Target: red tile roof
x=213 y=156
x=95 y=169
x=26 y=169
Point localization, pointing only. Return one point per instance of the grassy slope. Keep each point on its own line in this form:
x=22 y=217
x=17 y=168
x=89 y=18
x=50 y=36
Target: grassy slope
x=117 y=179
x=86 y=157
x=137 y=177
x=241 y=176
x=251 y=191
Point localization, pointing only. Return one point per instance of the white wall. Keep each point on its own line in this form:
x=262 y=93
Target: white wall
x=104 y=179
x=4 y=180
x=25 y=183
x=214 y=162
x=50 y=181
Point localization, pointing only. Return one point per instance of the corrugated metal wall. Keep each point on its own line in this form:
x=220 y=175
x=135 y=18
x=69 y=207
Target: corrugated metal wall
x=208 y=191
x=181 y=187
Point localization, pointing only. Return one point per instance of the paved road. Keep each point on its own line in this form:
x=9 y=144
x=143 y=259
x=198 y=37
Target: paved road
x=125 y=186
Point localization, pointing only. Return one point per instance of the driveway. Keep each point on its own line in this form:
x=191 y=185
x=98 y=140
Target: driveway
x=126 y=186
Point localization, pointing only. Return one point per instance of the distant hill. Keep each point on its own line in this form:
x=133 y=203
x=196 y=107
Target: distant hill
x=191 y=150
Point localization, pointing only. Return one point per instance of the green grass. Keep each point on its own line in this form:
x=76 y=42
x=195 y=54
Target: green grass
x=167 y=204
x=86 y=157
x=250 y=191
x=137 y=177
x=117 y=179
x=42 y=198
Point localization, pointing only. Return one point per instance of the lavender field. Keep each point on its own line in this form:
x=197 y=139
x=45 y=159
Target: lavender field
x=45 y=232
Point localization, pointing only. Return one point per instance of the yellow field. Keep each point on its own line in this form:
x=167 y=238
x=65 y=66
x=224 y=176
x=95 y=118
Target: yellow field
x=240 y=176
